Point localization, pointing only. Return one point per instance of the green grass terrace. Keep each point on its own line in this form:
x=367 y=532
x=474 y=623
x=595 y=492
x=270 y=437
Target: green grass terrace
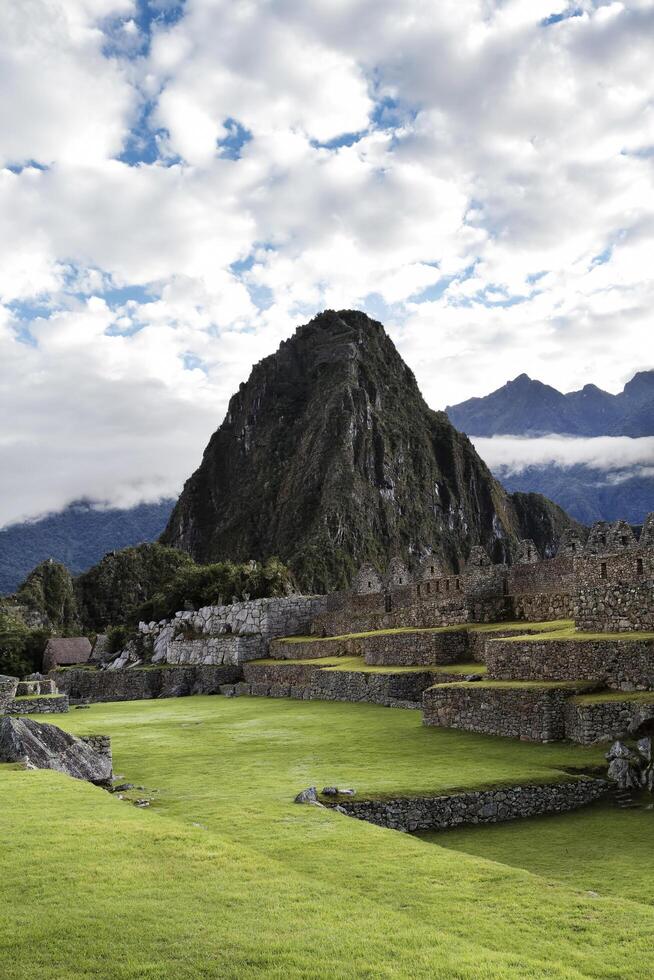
x=224 y=876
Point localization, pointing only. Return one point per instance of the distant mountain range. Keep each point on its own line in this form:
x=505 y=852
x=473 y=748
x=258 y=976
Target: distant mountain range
x=78 y=537
x=528 y=408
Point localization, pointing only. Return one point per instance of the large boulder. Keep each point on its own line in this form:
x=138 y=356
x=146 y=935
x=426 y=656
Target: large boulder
x=42 y=746
x=8 y=687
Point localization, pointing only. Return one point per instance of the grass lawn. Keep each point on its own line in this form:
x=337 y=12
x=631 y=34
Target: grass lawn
x=225 y=877
x=570 y=633
x=600 y=848
x=519 y=627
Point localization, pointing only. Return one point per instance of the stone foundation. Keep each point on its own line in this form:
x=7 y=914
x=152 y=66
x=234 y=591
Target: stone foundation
x=481 y=807
x=43 y=704
x=143 y=683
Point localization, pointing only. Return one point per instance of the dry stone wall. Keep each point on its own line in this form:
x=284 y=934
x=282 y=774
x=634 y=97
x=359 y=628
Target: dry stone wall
x=587 y=722
x=615 y=607
x=311 y=682
x=8 y=687
x=143 y=683
x=412 y=814
x=626 y=665
x=534 y=714
x=543 y=607
x=43 y=704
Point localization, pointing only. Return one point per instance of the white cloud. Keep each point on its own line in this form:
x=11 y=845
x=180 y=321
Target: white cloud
x=514 y=454
x=494 y=205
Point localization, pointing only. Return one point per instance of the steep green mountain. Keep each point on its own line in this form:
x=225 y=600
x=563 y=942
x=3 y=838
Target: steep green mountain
x=329 y=456
x=78 y=537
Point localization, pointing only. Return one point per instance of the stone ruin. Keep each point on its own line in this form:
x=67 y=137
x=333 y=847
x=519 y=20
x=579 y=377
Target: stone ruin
x=39 y=746
x=488 y=682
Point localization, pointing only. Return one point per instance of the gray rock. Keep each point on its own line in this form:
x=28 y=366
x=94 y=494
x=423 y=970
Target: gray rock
x=330 y=791
x=309 y=795
x=48 y=747
x=8 y=687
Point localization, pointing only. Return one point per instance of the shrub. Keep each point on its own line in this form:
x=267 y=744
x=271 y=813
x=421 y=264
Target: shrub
x=206 y=585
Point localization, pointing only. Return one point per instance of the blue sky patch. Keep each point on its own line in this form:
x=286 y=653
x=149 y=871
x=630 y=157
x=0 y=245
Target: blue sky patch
x=232 y=144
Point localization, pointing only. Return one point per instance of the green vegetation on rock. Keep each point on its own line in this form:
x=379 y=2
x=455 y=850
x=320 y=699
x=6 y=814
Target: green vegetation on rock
x=111 y=591
x=48 y=592
x=194 y=586
x=21 y=648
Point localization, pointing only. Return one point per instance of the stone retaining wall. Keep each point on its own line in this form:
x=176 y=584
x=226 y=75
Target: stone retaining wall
x=216 y=650
x=417 y=649
x=599 y=721
x=143 y=683
x=615 y=607
x=532 y=714
x=311 y=682
x=394 y=649
x=39 y=705
x=543 y=607
x=476 y=807
x=314 y=649
x=626 y=665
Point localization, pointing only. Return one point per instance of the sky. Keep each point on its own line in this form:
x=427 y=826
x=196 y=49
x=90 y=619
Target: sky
x=183 y=184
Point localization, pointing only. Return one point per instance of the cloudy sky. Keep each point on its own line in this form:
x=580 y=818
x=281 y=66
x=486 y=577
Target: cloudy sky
x=181 y=184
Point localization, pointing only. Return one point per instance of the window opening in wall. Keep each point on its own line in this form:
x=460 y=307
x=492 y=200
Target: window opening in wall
x=438 y=586
x=603 y=569
x=639 y=566
x=602 y=539
x=428 y=587
x=399 y=581
x=388 y=603
x=447 y=585
x=418 y=588
x=623 y=539
x=573 y=547
x=432 y=570
x=228 y=628
x=457 y=584
x=369 y=585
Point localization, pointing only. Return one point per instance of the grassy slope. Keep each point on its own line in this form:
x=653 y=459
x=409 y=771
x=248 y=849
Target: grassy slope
x=601 y=848
x=224 y=876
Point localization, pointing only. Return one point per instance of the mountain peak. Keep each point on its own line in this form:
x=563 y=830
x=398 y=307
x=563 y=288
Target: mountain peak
x=329 y=456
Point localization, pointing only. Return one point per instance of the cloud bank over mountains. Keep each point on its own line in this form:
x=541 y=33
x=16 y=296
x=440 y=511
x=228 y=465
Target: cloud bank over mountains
x=181 y=184
x=612 y=455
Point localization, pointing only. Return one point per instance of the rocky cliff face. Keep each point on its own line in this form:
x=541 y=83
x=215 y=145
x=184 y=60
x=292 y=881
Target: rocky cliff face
x=329 y=456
